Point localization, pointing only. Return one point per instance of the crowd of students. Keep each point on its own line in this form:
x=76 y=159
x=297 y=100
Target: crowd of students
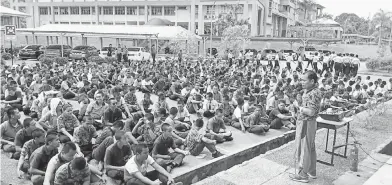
x=123 y=135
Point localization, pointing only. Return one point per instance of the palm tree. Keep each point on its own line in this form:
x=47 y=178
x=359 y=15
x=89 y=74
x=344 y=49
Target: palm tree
x=382 y=18
x=307 y=6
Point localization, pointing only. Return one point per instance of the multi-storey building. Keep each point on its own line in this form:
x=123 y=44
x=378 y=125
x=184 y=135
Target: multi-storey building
x=267 y=17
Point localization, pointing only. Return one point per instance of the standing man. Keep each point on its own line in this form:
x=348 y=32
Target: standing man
x=305 y=155
x=119 y=53
x=125 y=54
x=356 y=63
x=153 y=53
x=110 y=50
x=180 y=56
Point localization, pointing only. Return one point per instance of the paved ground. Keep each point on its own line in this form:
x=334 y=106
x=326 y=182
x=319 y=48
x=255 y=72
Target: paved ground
x=274 y=167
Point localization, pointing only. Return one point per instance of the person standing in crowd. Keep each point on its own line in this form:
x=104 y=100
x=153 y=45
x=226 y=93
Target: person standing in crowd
x=119 y=54
x=315 y=62
x=289 y=60
x=110 y=51
x=180 y=56
x=325 y=61
x=153 y=53
x=305 y=155
x=125 y=54
x=356 y=64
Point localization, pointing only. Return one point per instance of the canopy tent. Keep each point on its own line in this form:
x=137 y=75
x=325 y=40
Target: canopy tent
x=114 y=31
x=159 y=22
x=4 y=11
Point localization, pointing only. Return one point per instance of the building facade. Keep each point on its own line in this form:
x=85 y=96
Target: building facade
x=267 y=17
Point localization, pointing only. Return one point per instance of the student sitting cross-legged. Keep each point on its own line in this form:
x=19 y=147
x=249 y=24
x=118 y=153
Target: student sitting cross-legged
x=196 y=141
x=217 y=129
x=162 y=144
x=257 y=122
x=135 y=172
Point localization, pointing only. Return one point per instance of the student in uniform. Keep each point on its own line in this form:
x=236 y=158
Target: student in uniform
x=356 y=64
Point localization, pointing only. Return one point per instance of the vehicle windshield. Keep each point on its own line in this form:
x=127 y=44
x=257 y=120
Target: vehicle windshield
x=55 y=47
x=310 y=49
x=288 y=51
x=133 y=49
x=33 y=47
x=81 y=47
x=269 y=51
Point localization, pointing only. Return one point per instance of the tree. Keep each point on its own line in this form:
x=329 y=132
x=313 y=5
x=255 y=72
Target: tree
x=353 y=24
x=307 y=7
x=235 y=38
x=229 y=18
x=381 y=19
x=5 y=3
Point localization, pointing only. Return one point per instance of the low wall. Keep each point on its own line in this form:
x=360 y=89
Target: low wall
x=215 y=166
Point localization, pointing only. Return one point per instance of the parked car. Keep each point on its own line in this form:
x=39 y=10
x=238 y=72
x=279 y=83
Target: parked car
x=55 y=51
x=283 y=53
x=31 y=52
x=83 y=52
x=104 y=52
x=307 y=51
x=325 y=51
x=138 y=54
x=267 y=52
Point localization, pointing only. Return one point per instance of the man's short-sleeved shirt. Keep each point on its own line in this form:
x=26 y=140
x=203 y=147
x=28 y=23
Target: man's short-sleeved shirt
x=106 y=132
x=84 y=134
x=143 y=131
x=115 y=156
x=274 y=113
x=95 y=110
x=194 y=137
x=29 y=147
x=162 y=145
x=22 y=137
x=113 y=115
x=8 y=131
x=40 y=157
x=67 y=121
x=131 y=167
x=65 y=174
x=100 y=150
x=237 y=113
x=215 y=124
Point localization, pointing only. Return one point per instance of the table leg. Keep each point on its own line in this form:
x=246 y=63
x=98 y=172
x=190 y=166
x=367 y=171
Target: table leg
x=326 y=143
x=348 y=131
x=333 y=146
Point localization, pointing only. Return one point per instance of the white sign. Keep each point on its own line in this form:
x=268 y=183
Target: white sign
x=10 y=32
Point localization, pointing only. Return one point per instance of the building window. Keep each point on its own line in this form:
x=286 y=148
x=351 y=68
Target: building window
x=56 y=10
x=182 y=7
x=75 y=22
x=156 y=10
x=108 y=10
x=142 y=10
x=119 y=23
x=64 y=11
x=169 y=10
x=197 y=9
x=270 y=8
x=241 y=9
x=120 y=10
x=107 y=23
x=22 y=9
x=43 y=11
x=74 y=10
x=86 y=23
x=210 y=9
x=132 y=10
x=64 y=22
x=21 y=1
x=85 y=10
x=93 y=10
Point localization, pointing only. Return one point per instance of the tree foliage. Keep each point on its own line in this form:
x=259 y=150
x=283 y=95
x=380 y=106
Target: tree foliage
x=5 y=3
x=235 y=38
x=353 y=24
x=229 y=17
x=382 y=19
x=325 y=15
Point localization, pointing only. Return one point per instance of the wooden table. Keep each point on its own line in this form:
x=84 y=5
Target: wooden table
x=322 y=123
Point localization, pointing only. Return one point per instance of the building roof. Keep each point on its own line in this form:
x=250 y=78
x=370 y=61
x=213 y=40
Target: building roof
x=159 y=22
x=325 y=21
x=115 y=31
x=4 y=11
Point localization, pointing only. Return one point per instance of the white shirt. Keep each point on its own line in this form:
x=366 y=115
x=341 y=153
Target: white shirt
x=145 y=83
x=131 y=167
x=184 y=92
x=237 y=113
x=316 y=58
x=326 y=59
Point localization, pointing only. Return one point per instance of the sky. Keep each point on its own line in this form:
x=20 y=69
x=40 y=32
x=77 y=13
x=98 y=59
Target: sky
x=360 y=7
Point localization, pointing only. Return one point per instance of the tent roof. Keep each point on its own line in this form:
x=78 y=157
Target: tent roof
x=159 y=22
x=162 y=32
x=11 y=12
x=325 y=21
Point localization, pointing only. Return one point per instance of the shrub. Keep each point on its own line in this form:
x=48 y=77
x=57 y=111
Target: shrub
x=372 y=64
x=6 y=56
x=46 y=61
x=110 y=60
x=96 y=60
x=61 y=60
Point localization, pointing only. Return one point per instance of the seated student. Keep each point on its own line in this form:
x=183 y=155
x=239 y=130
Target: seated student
x=186 y=91
x=108 y=132
x=209 y=106
x=116 y=93
x=227 y=109
x=111 y=114
x=162 y=144
x=278 y=117
x=84 y=101
x=196 y=141
x=161 y=103
x=147 y=130
x=116 y=156
x=84 y=135
x=194 y=103
x=175 y=90
x=66 y=124
x=180 y=128
x=238 y=117
x=8 y=130
x=257 y=122
x=131 y=100
x=217 y=129
x=14 y=98
x=38 y=139
x=147 y=85
x=159 y=86
x=40 y=157
x=145 y=103
x=96 y=108
x=136 y=169
x=76 y=171
x=24 y=134
x=183 y=114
